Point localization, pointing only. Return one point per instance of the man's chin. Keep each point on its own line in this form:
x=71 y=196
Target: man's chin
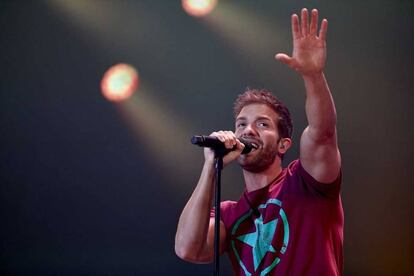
x=255 y=162
x=250 y=165
x=243 y=160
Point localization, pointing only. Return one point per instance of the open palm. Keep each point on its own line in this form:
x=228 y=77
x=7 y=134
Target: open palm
x=309 y=48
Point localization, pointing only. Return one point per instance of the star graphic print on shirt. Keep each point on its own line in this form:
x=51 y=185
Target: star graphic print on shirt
x=260 y=241
x=292 y=226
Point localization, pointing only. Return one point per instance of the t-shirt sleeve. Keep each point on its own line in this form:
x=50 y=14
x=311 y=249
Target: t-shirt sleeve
x=224 y=209
x=225 y=215
x=330 y=190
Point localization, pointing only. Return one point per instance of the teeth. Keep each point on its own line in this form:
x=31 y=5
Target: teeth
x=255 y=146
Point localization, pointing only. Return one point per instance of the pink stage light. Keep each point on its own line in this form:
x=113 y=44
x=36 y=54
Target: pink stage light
x=119 y=82
x=199 y=7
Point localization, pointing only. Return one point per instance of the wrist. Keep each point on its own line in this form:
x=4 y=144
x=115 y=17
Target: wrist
x=209 y=163
x=314 y=76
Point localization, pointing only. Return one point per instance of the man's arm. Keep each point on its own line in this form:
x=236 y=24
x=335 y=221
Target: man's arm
x=319 y=152
x=194 y=240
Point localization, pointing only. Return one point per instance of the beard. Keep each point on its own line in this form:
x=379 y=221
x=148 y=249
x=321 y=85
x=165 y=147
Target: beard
x=261 y=160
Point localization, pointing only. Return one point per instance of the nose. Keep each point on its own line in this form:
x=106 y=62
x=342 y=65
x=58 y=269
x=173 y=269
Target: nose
x=249 y=130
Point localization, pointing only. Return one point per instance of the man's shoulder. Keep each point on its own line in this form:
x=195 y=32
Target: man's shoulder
x=293 y=167
x=300 y=179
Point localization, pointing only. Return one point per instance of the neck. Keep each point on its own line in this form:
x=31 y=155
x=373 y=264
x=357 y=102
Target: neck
x=255 y=181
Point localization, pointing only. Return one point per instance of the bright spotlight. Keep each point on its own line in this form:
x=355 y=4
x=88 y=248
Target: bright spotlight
x=119 y=82
x=199 y=7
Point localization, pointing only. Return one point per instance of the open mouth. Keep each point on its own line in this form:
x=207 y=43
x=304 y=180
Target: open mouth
x=254 y=143
x=255 y=146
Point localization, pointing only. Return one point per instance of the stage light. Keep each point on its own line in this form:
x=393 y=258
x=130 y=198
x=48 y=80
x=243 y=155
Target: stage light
x=119 y=82
x=198 y=7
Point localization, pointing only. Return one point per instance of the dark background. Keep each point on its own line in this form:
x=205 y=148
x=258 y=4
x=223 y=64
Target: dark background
x=90 y=187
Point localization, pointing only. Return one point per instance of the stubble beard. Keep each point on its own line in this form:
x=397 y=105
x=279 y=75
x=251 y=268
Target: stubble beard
x=261 y=161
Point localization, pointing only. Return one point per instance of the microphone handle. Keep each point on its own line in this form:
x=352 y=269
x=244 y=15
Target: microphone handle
x=215 y=143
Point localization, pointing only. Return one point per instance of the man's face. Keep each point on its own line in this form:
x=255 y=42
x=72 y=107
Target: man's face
x=257 y=123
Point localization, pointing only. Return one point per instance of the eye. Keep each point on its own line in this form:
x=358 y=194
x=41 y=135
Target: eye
x=241 y=124
x=263 y=124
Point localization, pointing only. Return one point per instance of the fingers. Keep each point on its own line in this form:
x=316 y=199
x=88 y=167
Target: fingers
x=304 y=22
x=231 y=142
x=314 y=22
x=323 y=30
x=239 y=145
x=295 y=27
x=228 y=138
x=304 y=29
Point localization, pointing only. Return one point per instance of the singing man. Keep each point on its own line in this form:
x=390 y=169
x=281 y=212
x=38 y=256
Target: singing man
x=288 y=221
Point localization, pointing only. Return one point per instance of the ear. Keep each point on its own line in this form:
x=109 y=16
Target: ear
x=284 y=145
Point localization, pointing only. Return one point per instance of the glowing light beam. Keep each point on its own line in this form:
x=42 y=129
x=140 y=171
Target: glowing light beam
x=166 y=136
x=254 y=38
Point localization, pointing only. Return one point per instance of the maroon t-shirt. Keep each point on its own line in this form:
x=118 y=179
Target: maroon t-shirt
x=293 y=226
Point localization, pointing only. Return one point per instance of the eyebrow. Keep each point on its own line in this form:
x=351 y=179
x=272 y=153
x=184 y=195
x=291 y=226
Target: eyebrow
x=256 y=119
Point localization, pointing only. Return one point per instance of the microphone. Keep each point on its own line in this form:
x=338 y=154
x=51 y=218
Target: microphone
x=215 y=144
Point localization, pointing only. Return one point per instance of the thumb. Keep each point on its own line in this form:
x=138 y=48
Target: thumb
x=284 y=59
x=234 y=154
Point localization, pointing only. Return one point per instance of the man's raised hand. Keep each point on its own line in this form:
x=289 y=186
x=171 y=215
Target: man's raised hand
x=309 y=47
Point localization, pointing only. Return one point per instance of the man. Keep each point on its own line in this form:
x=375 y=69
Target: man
x=289 y=221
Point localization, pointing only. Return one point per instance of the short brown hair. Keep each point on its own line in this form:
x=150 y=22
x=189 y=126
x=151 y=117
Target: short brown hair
x=263 y=96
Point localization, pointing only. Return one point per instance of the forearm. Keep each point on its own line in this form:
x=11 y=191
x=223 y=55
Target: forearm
x=192 y=230
x=320 y=108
